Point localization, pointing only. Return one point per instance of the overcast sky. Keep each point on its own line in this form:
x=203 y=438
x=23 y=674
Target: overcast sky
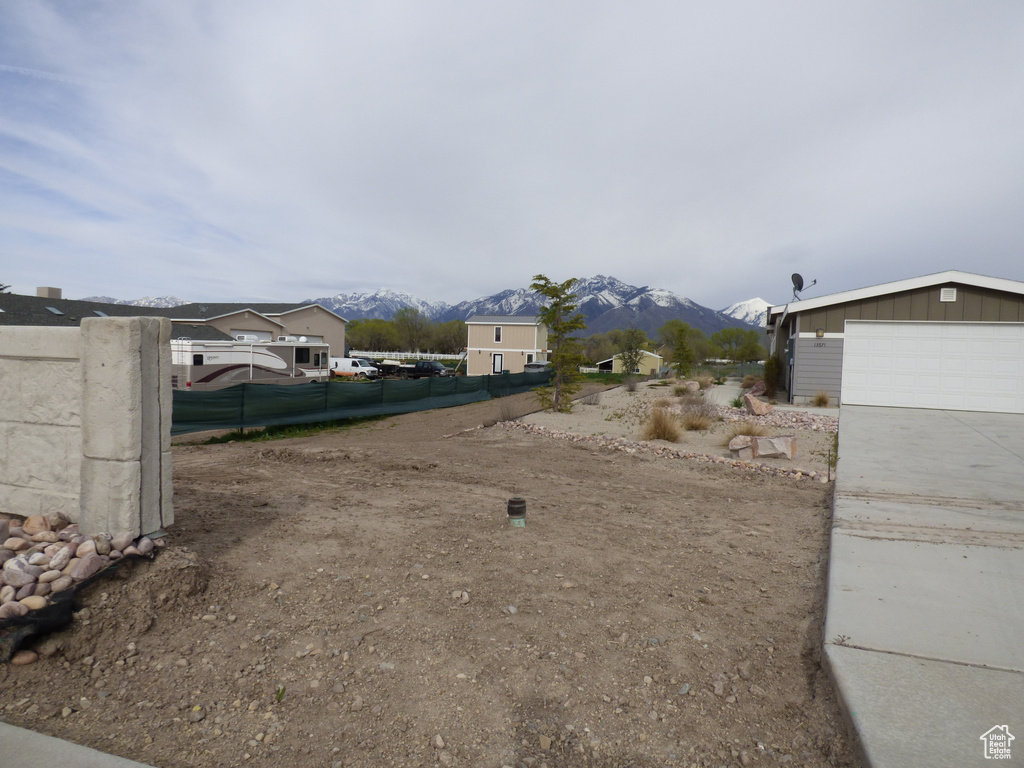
x=268 y=150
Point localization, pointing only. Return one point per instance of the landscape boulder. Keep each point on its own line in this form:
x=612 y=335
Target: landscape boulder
x=780 y=447
x=756 y=407
x=747 y=447
x=742 y=446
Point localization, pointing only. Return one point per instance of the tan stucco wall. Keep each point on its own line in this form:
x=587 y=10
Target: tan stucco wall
x=512 y=337
x=243 y=322
x=517 y=341
x=479 y=362
x=315 y=321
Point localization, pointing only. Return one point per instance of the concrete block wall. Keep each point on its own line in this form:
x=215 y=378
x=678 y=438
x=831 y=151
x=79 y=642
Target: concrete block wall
x=40 y=420
x=85 y=423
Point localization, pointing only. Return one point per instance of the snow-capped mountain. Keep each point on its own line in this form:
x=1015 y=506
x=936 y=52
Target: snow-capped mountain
x=596 y=296
x=751 y=311
x=164 y=302
x=381 y=304
x=607 y=303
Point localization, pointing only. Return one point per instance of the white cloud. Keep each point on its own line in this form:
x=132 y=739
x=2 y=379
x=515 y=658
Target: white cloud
x=222 y=151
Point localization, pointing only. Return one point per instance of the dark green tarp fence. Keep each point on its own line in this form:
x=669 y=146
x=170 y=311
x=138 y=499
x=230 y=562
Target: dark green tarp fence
x=266 y=405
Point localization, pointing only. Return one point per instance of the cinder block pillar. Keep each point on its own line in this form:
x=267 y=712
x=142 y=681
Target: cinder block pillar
x=125 y=425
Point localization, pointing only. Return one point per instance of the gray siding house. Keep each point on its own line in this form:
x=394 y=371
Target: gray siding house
x=911 y=337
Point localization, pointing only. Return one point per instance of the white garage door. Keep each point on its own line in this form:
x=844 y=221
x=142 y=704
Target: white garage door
x=948 y=366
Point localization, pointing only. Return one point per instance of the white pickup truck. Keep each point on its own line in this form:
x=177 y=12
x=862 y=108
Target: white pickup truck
x=352 y=366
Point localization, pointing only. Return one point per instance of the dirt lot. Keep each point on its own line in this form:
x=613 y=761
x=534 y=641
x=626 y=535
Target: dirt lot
x=358 y=598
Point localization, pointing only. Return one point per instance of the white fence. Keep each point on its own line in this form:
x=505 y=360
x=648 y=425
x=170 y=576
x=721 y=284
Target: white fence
x=401 y=355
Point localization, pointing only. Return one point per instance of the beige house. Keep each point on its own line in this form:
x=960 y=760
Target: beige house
x=500 y=343
x=267 y=321
x=650 y=364
x=196 y=321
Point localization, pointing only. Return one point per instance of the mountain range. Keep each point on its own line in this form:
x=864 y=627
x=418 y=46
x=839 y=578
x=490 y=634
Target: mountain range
x=606 y=302
x=163 y=302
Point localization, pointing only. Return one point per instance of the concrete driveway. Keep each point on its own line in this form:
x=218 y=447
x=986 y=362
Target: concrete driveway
x=925 y=618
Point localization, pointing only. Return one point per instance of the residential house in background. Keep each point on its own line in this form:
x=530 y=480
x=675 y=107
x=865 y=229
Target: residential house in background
x=195 y=321
x=500 y=343
x=268 y=322
x=650 y=364
x=952 y=340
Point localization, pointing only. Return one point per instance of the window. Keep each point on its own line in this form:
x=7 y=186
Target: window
x=197 y=359
x=316 y=359
x=529 y=358
x=54 y=310
x=302 y=355
x=497 y=334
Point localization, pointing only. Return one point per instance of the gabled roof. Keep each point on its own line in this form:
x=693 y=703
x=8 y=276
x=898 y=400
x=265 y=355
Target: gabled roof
x=913 y=283
x=197 y=332
x=210 y=311
x=16 y=309
x=505 y=319
x=303 y=307
x=200 y=318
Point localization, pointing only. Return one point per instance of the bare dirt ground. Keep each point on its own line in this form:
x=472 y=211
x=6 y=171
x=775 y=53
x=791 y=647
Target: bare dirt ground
x=358 y=598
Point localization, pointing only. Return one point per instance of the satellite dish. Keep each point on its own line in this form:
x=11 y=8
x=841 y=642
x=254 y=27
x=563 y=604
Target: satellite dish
x=798 y=285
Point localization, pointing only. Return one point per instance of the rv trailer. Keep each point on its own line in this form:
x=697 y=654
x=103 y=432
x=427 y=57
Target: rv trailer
x=205 y=365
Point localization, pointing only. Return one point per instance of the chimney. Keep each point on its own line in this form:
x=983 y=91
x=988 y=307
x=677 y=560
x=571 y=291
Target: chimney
x=48 y=293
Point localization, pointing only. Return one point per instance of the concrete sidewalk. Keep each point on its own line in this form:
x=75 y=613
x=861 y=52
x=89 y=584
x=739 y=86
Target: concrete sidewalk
x=19 y=746
x=925 y=616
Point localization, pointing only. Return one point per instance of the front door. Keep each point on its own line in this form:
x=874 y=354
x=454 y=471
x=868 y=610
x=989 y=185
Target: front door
x=496 y=362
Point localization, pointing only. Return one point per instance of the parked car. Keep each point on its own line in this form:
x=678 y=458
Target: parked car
x=540 y=365
x=424 y=369
x=352 y=366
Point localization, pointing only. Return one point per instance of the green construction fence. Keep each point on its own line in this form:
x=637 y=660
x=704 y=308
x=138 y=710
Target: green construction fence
x=267 y=405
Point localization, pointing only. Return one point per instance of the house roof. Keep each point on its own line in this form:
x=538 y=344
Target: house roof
x=16 y=309
x=913 y=283
x=504 y=319
x=197 y=332
x=200 y=318
x=212 y=310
